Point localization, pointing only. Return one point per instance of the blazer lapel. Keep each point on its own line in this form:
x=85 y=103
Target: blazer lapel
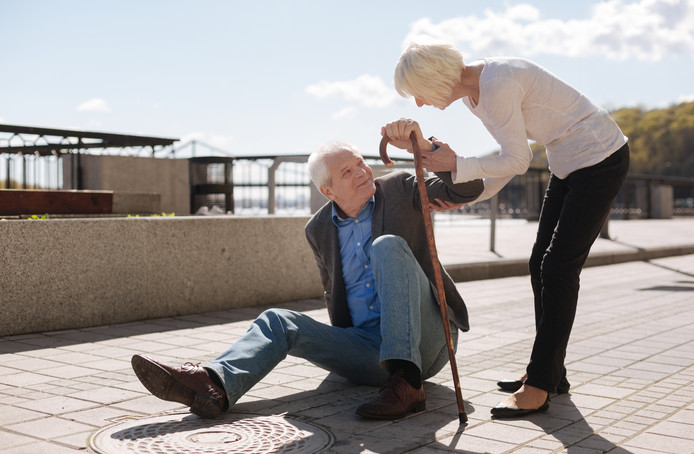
x=340 y=310
x=332 y=246
x=378 y=216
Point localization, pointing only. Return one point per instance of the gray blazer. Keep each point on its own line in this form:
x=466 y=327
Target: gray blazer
x=397 y=211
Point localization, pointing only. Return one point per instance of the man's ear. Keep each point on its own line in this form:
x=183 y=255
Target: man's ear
x=327 y=192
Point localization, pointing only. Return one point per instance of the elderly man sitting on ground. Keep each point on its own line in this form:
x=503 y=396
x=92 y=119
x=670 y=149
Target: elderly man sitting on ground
x=370 y=245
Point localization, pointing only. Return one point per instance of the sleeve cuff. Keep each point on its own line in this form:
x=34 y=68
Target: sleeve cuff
x=466 y=169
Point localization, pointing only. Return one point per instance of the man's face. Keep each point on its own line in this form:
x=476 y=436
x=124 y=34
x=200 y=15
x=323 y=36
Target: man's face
x=352 y=181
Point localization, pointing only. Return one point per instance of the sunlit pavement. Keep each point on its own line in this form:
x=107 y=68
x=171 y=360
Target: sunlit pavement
x=630 y=363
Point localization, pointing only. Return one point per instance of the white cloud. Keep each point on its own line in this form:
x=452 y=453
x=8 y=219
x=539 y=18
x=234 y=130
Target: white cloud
x=366 y=90
x=686 y=98
x=647 y=30
x=345 y=113
x=94 y=105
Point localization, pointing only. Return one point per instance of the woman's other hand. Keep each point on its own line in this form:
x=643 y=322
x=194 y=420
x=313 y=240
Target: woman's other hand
x=441 y=160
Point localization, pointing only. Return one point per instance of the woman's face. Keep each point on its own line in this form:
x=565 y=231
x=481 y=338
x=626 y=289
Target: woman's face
x=420 y=101
x=423 y=101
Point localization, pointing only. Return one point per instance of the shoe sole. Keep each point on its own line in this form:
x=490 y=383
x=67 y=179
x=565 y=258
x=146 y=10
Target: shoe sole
x=159 y=382
x=517 y=412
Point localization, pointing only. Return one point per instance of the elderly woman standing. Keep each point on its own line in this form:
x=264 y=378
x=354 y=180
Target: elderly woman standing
x=588 y=156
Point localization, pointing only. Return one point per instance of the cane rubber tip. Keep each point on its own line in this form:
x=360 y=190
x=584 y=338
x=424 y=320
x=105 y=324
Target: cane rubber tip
x=462 y=417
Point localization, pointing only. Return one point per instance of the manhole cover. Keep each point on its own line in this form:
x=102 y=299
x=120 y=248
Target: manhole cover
x=235 y=433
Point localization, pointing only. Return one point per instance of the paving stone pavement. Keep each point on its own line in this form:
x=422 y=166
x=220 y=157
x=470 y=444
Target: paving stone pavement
x=630 y=363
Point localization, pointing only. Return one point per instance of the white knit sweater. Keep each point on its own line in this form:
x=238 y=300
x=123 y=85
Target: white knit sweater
x=520 y=100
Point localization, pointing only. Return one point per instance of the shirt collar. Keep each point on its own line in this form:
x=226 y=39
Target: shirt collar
x=365 y=213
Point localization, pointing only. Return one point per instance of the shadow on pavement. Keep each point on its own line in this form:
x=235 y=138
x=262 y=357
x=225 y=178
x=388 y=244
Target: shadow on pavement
x=576 y=434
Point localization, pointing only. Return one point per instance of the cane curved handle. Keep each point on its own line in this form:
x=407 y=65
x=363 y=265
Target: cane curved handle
x=384 y=154
x=384 y=144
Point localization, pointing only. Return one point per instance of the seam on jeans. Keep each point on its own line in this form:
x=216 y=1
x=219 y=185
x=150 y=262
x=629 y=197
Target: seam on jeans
x=430 y=371
x=404 y=248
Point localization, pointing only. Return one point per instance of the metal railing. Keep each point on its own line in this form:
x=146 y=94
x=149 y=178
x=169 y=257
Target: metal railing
x=252 y=185
x=280 y=184
x=256 y=184
x=636 y=198
x=19 y=171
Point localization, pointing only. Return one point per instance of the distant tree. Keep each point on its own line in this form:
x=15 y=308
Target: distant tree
x=661 y=140
x=16 y=185
x=539 y=156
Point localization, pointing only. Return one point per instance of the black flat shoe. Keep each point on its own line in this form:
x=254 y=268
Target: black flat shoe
x=502 y=411
x=514 y=385
x=509 y=385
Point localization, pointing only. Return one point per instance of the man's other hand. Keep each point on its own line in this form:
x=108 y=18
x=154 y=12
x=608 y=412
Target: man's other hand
x=442 y=205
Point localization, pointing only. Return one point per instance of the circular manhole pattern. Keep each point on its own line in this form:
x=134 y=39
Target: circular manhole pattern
x=235 y=433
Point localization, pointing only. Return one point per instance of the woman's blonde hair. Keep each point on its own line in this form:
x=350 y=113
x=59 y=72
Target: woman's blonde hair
x=428 y=69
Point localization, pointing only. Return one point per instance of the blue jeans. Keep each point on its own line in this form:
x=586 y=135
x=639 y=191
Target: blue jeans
x=573 y=212
x=410 y=329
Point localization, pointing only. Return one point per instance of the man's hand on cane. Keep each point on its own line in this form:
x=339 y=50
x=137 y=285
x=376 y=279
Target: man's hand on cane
x=441 y=160
x=399 y=134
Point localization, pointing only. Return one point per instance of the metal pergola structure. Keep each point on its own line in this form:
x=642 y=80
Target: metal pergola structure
x=49 y=141
x=32 y=145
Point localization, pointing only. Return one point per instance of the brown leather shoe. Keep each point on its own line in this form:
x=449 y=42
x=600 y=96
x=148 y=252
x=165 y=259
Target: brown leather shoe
x=190 y=385
x=396 y=399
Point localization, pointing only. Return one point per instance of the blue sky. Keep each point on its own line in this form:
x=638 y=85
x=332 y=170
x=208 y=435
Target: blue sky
x=278 y=77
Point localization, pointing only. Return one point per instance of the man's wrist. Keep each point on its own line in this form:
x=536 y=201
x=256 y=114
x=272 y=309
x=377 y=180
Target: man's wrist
x=434 y=147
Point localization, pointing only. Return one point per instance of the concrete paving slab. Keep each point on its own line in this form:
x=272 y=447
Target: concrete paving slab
x=630 y=362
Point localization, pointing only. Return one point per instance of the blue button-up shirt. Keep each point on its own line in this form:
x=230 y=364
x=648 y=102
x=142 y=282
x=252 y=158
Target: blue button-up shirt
x=354 y=235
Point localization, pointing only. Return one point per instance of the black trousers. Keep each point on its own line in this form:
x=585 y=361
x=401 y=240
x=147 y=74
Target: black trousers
x=573 y=212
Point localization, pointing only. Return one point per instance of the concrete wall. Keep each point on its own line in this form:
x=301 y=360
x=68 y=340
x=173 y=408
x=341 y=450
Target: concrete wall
x=167 y=177
x=662 y=201
x=73 y=273
x=136 y=203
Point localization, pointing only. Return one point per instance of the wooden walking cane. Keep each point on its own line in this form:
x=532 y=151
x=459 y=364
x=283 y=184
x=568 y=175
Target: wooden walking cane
x=426 y=213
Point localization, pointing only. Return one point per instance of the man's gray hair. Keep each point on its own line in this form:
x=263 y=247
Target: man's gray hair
x=317 y=168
